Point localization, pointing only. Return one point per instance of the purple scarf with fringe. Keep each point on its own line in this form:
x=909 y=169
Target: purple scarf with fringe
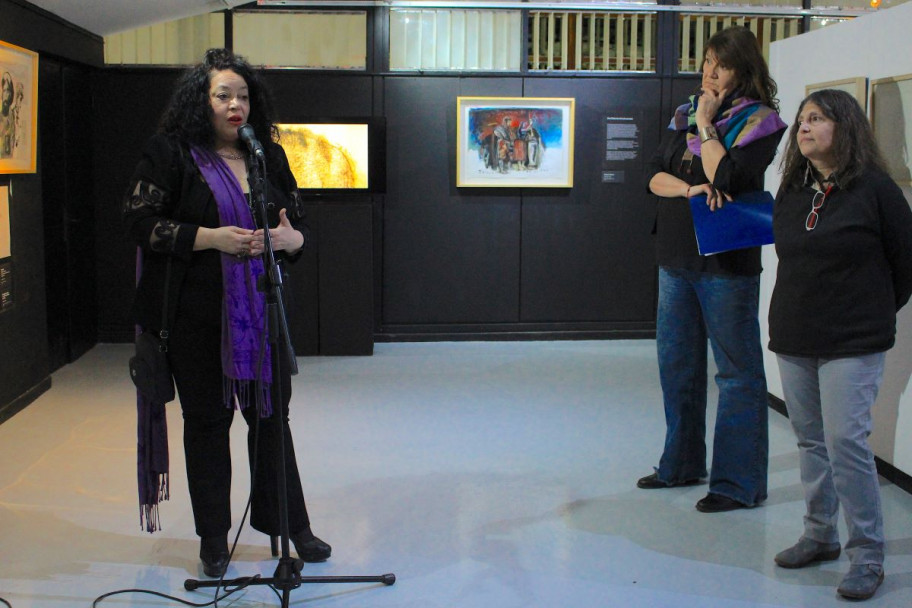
x=151 y=449
x=245 y=365
x=247 y=368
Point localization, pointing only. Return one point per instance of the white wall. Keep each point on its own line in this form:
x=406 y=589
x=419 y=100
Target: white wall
x=873 y=46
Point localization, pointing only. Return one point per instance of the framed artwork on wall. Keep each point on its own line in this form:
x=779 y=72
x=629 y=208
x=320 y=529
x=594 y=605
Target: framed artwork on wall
x=891 y=116
x=856 y=87
x=522 y=142
x=336 y=155
x=18 y=109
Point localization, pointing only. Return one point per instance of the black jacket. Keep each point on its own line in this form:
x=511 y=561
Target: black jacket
x=164 y=222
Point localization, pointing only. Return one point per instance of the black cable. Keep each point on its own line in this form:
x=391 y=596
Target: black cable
x=214 y=602
x=7 y=604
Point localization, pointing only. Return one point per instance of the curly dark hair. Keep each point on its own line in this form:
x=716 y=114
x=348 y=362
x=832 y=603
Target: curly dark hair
x=854 y=146
x=188 y=117
x=736 y=48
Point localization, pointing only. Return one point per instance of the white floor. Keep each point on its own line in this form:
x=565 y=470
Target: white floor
x=482 y=474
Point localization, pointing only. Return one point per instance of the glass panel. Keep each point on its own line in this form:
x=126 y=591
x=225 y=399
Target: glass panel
x=597 y=41
x=318 y=40
x=454 y=39
x=179 y=42
x=697 y=29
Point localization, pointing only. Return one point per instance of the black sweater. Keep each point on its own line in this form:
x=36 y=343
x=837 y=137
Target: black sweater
x=839 y=286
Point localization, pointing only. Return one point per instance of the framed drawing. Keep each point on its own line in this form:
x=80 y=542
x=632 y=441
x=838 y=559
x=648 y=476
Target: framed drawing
x=891 y=116
x=856 y=87
x=18 y=109
x=522 y=142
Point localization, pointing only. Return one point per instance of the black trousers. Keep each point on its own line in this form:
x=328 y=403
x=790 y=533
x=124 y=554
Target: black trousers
x=195 y=358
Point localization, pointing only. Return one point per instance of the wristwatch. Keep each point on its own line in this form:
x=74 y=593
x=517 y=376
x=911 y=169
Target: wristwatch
x=707 y=133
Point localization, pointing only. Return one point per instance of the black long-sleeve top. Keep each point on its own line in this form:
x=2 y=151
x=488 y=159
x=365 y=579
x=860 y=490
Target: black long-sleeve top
x=741 y=170
x=839 y=286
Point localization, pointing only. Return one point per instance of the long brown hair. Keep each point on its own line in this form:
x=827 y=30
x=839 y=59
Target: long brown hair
x=737 y=49
x=854 y=146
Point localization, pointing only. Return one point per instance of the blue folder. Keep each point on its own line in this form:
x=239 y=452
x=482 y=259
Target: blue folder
x=744 y=222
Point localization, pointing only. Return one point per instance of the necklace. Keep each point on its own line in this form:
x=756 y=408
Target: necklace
x=230 y=156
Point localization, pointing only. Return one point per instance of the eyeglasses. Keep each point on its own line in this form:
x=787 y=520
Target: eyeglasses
x=813 y=217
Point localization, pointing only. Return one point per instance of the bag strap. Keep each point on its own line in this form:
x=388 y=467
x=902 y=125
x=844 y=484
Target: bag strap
x=163 y=332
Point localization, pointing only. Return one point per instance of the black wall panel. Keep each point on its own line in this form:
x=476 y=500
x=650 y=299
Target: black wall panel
x=471 y=261
x=69 y=218
x=450 y=255
x=127 y=107
x=587 y=252
x=298 y=96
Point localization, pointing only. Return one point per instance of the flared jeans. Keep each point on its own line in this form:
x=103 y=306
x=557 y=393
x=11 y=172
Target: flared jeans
x=695 y=307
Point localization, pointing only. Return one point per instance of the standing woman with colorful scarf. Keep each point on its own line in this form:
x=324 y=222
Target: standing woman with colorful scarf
x=719 y=144
x=189 y=210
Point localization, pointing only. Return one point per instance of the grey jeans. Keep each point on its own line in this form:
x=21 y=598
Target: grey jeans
x=829 y=405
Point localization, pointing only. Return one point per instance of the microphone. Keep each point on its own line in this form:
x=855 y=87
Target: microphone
x=247 y=135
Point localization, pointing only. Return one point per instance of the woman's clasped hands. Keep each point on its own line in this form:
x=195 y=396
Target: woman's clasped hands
x=715 y=198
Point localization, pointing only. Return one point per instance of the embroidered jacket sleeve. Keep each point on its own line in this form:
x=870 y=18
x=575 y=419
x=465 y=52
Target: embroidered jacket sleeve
x=152 y=200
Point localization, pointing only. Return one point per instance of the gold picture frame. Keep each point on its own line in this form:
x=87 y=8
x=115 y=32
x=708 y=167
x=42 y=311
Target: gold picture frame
x=891 y=117
x=524 y=142
x=18 y=109
x=857 y=87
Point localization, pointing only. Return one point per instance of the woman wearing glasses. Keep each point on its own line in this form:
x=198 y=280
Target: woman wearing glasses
x=844 y=239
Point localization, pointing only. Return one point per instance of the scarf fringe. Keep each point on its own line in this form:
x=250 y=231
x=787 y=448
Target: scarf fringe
x=237 y=395
x=149 y=516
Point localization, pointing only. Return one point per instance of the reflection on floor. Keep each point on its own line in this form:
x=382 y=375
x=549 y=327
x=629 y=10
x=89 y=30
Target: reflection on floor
x=482 y=474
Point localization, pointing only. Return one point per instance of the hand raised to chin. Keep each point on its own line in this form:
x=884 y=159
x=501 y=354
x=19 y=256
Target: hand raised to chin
x=710 y=102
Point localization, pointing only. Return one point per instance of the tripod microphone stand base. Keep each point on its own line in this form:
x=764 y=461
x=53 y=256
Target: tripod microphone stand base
x=287 y=576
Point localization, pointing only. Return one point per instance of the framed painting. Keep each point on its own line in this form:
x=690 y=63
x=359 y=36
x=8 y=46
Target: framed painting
x=891 y=116
x=856 y=87
x=524 y=142
x=18 y=109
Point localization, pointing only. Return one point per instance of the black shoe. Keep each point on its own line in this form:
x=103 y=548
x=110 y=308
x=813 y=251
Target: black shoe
x=310 y=548
x=716 y=503
x=214 y=555
x=652 y=482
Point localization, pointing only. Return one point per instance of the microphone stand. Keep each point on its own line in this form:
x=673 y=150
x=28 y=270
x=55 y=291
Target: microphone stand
x=287 y=575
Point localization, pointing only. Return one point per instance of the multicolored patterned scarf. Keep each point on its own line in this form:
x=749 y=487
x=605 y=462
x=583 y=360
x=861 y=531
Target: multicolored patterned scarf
x=245 y=353
x=739 y=121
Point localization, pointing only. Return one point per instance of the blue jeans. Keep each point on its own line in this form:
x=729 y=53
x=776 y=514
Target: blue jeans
x=694 y=306
x=829 y=404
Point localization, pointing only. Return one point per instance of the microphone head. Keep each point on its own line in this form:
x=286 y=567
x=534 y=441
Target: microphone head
x=247 y=135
